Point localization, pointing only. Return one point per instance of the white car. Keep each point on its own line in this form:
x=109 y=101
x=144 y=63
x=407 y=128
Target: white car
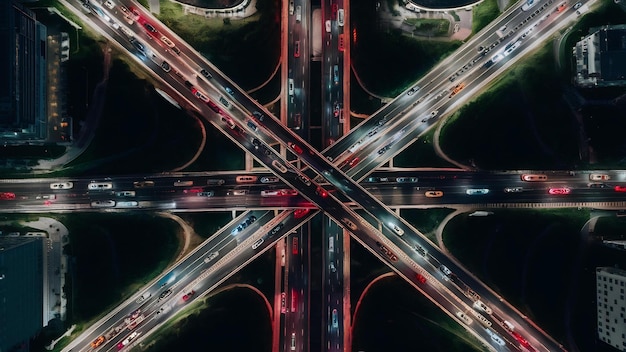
x=211 y=256
x=109 y=4
x=61 y=185
x=256 y=244
x=599 y=177
x=397 y=230
x=476 y=191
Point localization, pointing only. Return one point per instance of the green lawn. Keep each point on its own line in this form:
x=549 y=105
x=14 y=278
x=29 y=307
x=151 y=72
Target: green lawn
x=421 y=154
x=246 y=50
x=429 y=26
x=517 y=122
x=510 y=251
x=483 y=14
x=426 y=220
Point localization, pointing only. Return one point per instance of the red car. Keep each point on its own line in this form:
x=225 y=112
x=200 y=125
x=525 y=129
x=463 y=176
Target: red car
x=295 y=148
x=560 y=190
x=321 y=192
x=7 y=195
x=421 y=279
x=354 y=161
x=333 y=13
x=188 y=295
x=620 y=188
x=300 y=213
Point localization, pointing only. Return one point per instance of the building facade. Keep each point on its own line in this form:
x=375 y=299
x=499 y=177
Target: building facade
x=23 y=62
x=601 y=57
x=611 y=306
x=21 y=290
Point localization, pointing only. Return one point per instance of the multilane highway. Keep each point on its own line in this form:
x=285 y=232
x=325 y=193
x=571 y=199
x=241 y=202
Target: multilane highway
x=341 y=182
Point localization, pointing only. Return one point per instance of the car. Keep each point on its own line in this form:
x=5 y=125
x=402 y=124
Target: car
x=513 y=189
x=258 y=115
x=294 y=251
x=354 y=161
x=225 y=102
x=421 y=279
x=406 y=179
x=275 y=230
x=246 y=179
x=334 y=9
x=599 y=177
x=480 y=305
x=304 y=179
x=291 y=7
x=150 y=28
x=269 y=179
x=559 y=190
x=412 y=90
x=476 y=191
x=142 y=184
x=340 y=15
x=135 y=13
x=270 y=193
x=384 y=149
x=283 y=303
x=371 y=179
x=61 y=185
x=596 y=185
x=290 y=86
x=125 y=194
x=349 y=223
x=188 y=295
x=332 y=267
x=109 y=4
x=167 y=41
x=293 y=341
x=321 y=192
x=257 y=243
x=578 y=5
x=126 y=341
x=206 y=73
x=434 y=113
x=433 y=194
x=206 y=194
x=229 y=122
x=237 y=192
x=397 y=229
x=534 y=178
x=46 y=196
x=336 y=109
x=619 y=188
x=300 y=213
x=296 y=49
x=334 y=319
x=165 y=66
x=97 y=342
x=277 y=164
x=561 y=6
x=467 y=320
x=211 y=256
x=7 y=195
x=444 y=269
x=165 y=294
x=295 y=147
x=327 y=25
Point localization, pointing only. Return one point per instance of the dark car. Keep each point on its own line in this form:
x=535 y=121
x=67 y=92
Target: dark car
x=206 y=73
